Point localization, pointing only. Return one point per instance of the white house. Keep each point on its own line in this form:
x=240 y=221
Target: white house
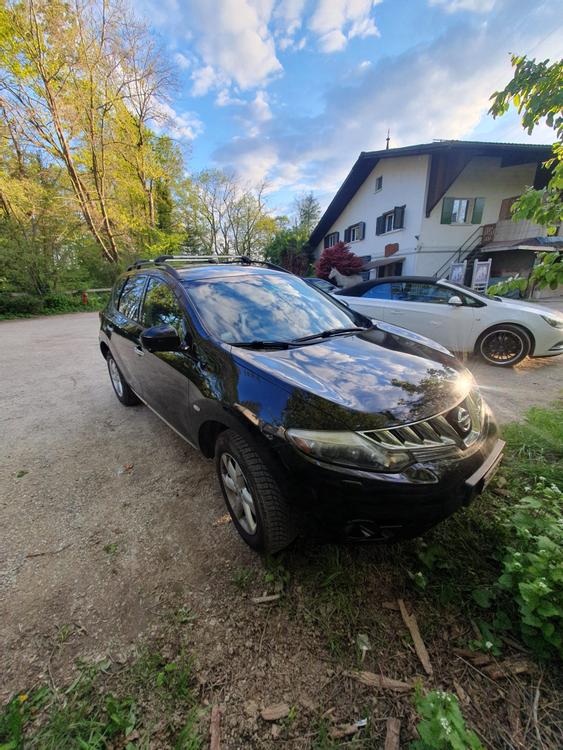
x=415 y=210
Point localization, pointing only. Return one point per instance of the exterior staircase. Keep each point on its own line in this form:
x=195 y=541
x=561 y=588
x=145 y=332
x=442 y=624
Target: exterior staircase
x=468 y=251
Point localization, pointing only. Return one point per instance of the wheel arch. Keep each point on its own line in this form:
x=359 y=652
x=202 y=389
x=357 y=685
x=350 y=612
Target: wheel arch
x=104 y=348
x=506 y=323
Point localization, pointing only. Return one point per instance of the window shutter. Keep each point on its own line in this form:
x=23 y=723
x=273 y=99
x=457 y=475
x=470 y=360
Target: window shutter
x=347 y=234
x=326 y=242
x=447 y=208
x=478 y=207
x=380 y=225
x=362 y=226
x=398 y=217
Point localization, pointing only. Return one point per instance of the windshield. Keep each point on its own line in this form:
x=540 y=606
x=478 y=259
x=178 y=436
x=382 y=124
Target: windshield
x=474 y=292
x=265 y=307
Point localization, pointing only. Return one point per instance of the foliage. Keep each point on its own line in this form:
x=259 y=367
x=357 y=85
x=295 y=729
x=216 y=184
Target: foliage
x=307 y=210
x=101 y=709
x=533 y=567
x=536 y=90
x=441 y=725
x=23 y=304
x=338 y=256
x=26 y=305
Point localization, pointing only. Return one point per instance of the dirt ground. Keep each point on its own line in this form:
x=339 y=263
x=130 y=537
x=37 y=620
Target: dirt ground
x=106 y=516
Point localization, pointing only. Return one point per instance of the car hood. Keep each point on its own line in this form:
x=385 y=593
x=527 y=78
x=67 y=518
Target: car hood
x=361 y=381
x=529 y=307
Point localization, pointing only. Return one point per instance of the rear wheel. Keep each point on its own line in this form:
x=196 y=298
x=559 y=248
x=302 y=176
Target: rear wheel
x=504 y=345
x=120 y=385
x=260 y=513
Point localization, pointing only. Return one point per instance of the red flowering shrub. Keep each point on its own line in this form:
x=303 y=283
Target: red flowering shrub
x=338 y=256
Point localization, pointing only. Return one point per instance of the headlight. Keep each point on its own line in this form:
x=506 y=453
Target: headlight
x=555 y=322
x=348 y=449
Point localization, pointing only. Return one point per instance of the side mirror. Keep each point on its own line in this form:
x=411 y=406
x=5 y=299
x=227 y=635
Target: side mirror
x=455 y=301
x=161 y=339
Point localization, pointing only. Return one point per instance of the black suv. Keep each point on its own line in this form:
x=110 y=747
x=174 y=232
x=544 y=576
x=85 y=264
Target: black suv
x=314 y=414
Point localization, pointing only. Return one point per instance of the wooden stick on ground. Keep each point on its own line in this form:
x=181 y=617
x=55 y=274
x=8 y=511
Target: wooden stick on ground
x=215 y=729
x=393 y=736
x=420 y=648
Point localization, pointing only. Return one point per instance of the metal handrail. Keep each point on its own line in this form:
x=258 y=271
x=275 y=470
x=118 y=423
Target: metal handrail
x=164 y=261
x=477 y=234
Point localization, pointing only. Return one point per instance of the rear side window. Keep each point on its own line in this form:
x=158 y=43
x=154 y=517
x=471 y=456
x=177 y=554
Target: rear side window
x=380 y=291
x=131 y=293
x=415 y=291
x=161 y=306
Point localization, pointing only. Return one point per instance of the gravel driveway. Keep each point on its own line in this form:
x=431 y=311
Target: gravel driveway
x=105 y=511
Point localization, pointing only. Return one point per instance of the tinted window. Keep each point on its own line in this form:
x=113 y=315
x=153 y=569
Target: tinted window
x=130 y=296
x=414 y=291
x=161 y=306
x=265 y=307
x=380 y=291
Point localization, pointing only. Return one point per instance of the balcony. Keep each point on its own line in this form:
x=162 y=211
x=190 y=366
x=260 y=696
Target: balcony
x=506 y=230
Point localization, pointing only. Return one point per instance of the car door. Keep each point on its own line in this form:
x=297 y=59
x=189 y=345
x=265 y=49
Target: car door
x=166 y=375
x=373 y=301
x=423 y=307
x=124 y=329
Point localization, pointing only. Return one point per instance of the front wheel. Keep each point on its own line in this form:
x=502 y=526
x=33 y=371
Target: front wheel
x=120 y=386
x=259 y=511
x=504 y=345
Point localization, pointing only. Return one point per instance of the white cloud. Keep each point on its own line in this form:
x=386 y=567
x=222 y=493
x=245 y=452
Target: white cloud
x=225 y=99
x=203 y=78
x=260 y=108
x=475 y=6
x=232 y=37
x=181 y=61
x=437 y=90
x=184 y=126
x=337 y=21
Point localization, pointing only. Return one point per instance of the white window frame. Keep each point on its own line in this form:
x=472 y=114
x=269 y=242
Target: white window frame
x=379 y=187
x=467 y=202
x=355 y=229
x=387 y=216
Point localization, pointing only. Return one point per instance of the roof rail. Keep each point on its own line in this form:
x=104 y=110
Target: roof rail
x=163 y=261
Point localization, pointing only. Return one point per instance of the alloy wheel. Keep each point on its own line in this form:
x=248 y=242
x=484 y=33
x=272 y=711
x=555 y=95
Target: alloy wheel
x=238 y=493
x=502 y=346
x=115 y=377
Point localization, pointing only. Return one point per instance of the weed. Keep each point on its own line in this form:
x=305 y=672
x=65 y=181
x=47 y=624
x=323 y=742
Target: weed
x=21 y=473
x=276 y=573
x=101 y=709
x=243 y=578
x=441 y=725
x=111 y=549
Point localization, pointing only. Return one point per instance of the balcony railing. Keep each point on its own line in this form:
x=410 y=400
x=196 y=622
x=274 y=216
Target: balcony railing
x=507 y=230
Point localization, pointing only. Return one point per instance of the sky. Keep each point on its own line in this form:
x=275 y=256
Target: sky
x=291 y=91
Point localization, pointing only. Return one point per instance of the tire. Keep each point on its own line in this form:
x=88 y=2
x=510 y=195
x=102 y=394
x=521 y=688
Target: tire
x=264 y=520
x=120 y=386
x=504 y=345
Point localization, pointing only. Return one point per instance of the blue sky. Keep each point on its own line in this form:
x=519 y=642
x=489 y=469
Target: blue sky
x=290 y=91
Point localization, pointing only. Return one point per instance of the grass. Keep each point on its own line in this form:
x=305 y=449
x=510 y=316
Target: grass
x=151 y=701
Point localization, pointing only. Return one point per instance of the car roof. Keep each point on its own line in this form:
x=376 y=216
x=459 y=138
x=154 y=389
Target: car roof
x=195 y=272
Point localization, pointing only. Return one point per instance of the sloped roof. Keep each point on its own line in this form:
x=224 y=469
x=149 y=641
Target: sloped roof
x=452 y=154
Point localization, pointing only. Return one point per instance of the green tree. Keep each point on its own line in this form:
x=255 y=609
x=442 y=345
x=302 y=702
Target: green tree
x=536 y=90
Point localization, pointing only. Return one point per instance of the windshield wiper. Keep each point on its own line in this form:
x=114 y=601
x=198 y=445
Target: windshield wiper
x=329 y=332
x=257 y=344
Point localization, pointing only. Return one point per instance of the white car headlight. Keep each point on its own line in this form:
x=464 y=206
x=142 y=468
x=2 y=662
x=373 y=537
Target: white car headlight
x=555 y=322
x=348 y=449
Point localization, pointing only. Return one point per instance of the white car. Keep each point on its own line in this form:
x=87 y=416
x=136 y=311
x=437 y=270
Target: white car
x=503 y=331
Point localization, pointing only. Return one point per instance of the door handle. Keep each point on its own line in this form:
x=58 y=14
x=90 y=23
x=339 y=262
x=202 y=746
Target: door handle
x=139 y=352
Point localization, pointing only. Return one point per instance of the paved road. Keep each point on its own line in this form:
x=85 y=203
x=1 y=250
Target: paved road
x=85 y=540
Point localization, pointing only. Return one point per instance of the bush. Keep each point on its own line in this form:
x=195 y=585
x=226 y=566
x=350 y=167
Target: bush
x=441 y=725
x=60 y=302
x=21 y=304
x=533 y=568
x=340 y=257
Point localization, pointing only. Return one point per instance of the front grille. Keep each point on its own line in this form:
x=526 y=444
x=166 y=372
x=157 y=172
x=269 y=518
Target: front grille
x=436 y=436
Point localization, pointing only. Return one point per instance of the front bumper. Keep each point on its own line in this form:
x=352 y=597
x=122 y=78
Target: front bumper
x=355 y=505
